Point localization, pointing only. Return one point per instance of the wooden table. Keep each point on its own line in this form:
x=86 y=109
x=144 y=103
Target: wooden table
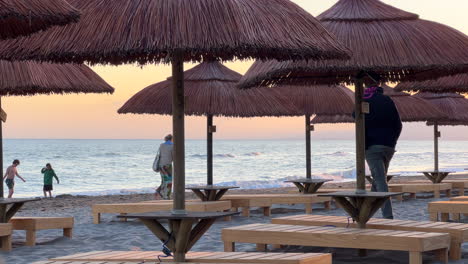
x=184 y=229
x=389 y=178
x=361 y=206
x=16 y=203
x=308 y=186
x=436 y=176
x=210 y=192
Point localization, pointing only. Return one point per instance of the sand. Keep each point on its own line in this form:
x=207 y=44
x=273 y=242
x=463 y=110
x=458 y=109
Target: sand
x=132 y=235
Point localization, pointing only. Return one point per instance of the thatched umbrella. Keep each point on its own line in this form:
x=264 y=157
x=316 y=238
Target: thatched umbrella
x=210 y=89
x=410 y=108
x=454 y=105
x=23 y=17
x=387 y=41
x=456 y=83
x=154 y=31
x=31 y=78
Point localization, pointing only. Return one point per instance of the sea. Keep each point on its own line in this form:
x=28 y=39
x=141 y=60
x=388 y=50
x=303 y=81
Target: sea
x=105 y=167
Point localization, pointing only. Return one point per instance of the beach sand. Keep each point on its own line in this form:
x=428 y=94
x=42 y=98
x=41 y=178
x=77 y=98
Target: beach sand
x=132 y=235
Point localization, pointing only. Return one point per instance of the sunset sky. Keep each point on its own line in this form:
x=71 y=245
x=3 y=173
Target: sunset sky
x=95 y=116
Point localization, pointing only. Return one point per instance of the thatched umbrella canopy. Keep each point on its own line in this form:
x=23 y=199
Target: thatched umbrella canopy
x=31 y=78
x=392 y=43
x=176 y=31
x=454 y=105
x=456 y=83
x=410 y=108
x=154 y=30
x=23 y=17
x=210 y=89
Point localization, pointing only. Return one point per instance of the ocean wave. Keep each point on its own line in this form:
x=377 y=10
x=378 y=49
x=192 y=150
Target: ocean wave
x=338 y=153
x=203 y=156
x=107 y=154
x=253 y=154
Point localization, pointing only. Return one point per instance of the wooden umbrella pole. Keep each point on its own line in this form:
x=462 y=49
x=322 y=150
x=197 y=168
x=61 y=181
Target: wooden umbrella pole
x=436 y=146
x=1 y=152
x=308 y=148
x=209 y=150
x=360 y=137
x=178 y=111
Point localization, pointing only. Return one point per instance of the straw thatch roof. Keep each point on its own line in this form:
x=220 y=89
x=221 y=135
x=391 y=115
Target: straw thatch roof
x=388 y=41
x=124 y=31
x=411 y=109
x=454 y=105
x=23 y=17
x=318 y=99
x=456 y=83
x=29 y=78
x=332 y=119
x=210 y=89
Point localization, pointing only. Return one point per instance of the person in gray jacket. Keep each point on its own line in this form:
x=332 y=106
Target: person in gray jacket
x=164 y=167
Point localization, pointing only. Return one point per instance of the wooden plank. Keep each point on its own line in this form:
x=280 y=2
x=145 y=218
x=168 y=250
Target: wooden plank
x=352 y=238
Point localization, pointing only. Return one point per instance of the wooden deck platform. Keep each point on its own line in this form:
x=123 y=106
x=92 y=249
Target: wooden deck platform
x=203 y=257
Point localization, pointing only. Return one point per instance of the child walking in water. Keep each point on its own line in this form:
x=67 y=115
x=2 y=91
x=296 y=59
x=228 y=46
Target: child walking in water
x=49 y=174
x=10 y=174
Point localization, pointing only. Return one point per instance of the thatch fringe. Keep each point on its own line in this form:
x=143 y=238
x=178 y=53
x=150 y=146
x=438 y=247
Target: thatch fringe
x=317 y=99
x=457 y=83
x=150 y=31
x=398 y=47
x=23 y=17
x=30 y=78
x=210 y=89
x=454 y=105
x=411 y=109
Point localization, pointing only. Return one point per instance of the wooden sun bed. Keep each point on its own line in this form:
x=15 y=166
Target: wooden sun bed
x=459 y=199
x=458 y=185
x=415 y=188
x=447 y=208
x=133 y=208
x=33 y=224
x=458 y=232
x=265 y=201
x=264 y=234
x=5 y=236
x=204 y=257
x=111 y=262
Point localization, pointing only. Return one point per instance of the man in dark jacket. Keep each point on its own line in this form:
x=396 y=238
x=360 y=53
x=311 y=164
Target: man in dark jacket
x=383 y=128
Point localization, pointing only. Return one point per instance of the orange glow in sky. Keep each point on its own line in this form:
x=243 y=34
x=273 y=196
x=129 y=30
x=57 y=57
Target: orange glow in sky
x=95 y=116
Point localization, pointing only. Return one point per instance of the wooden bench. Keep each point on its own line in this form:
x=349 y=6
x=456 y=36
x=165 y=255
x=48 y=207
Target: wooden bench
x=146 y=207
x=265 y=201
x=458 y=232
x=203 y=257
x=317 y=236
x=102 y=262
x=447 y=208
x=458 y=185
x=5 y=236
x=415 y=188
x=33 y=224
x=459 y=199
